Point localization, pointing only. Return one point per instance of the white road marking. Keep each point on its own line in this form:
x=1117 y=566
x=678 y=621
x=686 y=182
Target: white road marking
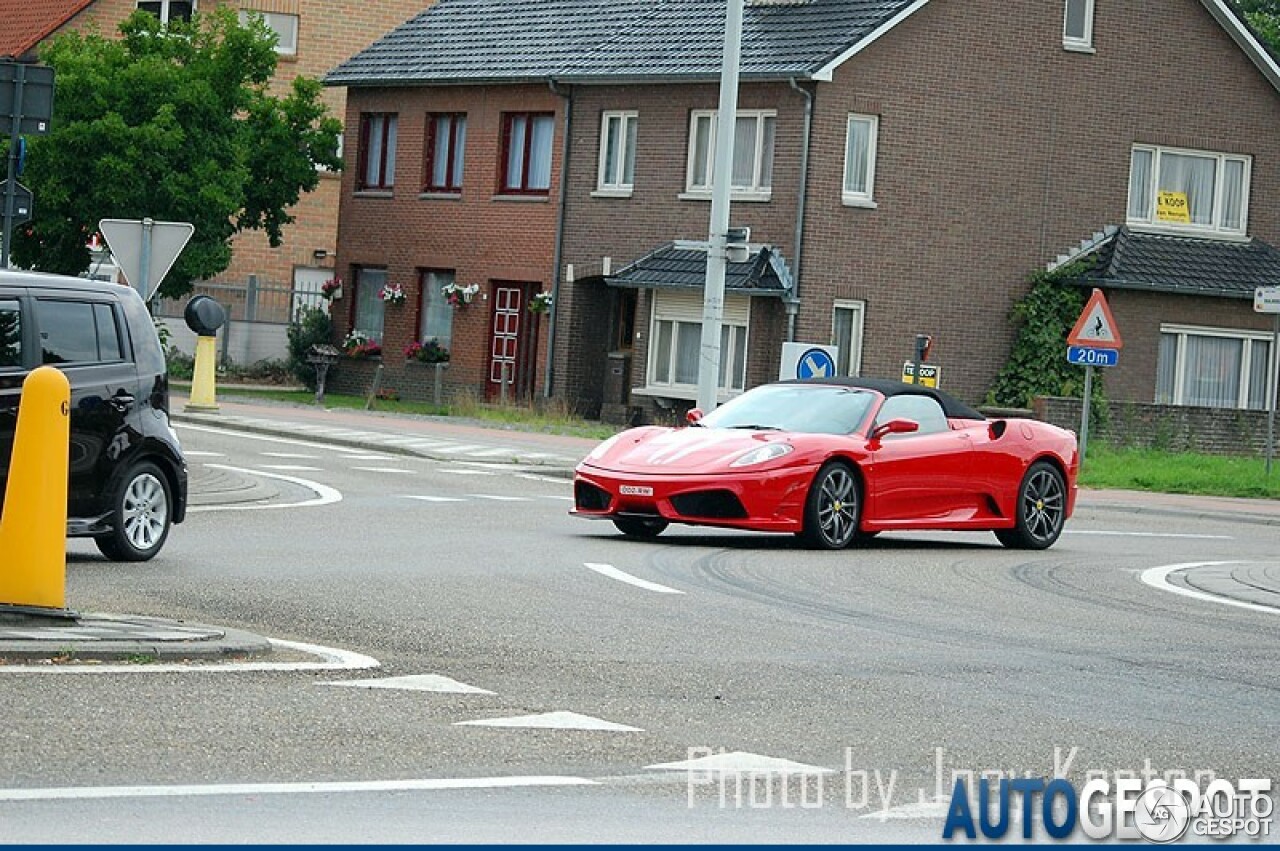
x=553 y=721
x=426 y=785
x=346 y=457
x=414 y=682
x=249 y=435
x=325 y=495
x=298 y=455
x=534 y=477
x=565 y=498
x=383 y=470
x=613 y=573
x=195 y=453
x=435 y=498
x=469 y=472
x=1158 y=577
x=295 y=468
x=741 y=762
x=496 y=498
x=1148 y=534
x=332 y=659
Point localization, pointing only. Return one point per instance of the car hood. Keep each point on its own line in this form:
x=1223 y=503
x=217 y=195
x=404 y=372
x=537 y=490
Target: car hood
x=683 y=450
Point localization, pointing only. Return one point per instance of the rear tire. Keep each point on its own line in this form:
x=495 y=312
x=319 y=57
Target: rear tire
x=833 y=508
x=1042 y=510
x=141 y=514
x=640 y=527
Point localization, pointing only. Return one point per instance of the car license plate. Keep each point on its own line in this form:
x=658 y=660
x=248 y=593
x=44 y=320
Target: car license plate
x=635 y=490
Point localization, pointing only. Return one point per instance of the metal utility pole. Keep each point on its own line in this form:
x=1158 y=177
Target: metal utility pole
x=722 y=178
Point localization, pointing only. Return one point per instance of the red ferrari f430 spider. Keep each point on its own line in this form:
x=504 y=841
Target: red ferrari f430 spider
x=837 y=461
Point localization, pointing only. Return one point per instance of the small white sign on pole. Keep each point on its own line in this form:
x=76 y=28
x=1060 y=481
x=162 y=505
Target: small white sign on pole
x=808 y=360
x=1266 y=299
x=134 y=242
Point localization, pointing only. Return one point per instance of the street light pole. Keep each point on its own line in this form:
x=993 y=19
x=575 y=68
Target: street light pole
x=722 y=177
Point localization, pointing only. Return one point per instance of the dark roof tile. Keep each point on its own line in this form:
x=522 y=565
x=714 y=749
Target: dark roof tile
x=474 y=41
x=676 y=266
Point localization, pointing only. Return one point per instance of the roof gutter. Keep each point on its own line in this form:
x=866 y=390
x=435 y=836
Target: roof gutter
x=563 y=191
x=793 y=299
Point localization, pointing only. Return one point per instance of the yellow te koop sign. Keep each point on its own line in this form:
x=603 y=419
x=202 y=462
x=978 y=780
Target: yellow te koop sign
x=1173 y=207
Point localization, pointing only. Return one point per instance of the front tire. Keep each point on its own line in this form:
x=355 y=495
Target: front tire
x=833 y=508
x=1042 y=509
x=640 y=527
x=141 y=514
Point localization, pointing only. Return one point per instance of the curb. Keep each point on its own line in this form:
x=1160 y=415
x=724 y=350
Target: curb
x=1226 y=516
x=217 y=643
x=532 y=464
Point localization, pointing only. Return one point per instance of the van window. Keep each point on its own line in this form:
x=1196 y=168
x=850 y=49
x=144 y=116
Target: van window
x=104 y=317
x=10 y=333
x=68 y=333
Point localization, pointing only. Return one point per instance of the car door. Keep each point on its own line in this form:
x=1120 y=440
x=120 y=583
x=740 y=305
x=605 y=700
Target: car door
x=83 y=338
x=920 y=474
x=12 y=372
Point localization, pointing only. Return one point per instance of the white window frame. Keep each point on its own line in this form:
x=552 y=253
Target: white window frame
x=686 y=308
x=861 y=198
x=164 y=8
x=1246 y=361
x=1151 y=223
x=698 y=187
x=624 y=155
x=847 y=347
x=1084 y=41
x=271 y=19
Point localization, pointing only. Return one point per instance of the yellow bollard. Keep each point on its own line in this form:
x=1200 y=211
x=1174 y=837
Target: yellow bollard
x=33 y=527
x=203 y=395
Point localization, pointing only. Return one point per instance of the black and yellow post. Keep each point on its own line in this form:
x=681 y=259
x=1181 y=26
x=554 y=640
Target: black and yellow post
x=33 y=525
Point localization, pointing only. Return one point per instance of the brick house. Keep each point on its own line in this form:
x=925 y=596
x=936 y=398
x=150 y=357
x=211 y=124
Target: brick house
x=314 y=36
x=903 y=165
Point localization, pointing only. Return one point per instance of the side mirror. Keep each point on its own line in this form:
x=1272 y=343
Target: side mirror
x=894 y=427
x=693 y=416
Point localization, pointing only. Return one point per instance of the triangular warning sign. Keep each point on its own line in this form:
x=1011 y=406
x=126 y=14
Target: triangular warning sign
x=1096 y=327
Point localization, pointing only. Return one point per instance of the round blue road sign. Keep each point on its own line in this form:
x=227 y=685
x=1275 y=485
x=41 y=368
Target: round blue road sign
x=815 y=363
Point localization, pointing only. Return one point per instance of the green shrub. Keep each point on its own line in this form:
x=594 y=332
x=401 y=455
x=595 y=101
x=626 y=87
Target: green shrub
x=311 y=327
x=181 y=365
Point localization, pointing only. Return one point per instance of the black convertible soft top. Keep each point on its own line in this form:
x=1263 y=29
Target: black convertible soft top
x=887 y=387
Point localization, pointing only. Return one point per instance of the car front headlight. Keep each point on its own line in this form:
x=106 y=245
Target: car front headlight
x=768 y=452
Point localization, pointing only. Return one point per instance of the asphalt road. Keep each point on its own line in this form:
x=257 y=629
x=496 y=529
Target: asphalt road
x=891 y=666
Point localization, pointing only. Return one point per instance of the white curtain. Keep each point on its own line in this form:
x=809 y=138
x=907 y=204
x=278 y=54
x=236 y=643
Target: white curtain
x=703 y=139
x=744 y=153
x=540 y=152
x=1167 y=369
x=515 y=152
x=437 y=314
x=1259 y=370
x=369 y=304
x=629 y=153
x=1233 y=194
x=613 y=129
x=662 y=354
x=440 y=152
x=1212 y=371
x=858 y=156
x=1194 y=176
x=688 y=349
x=1140 y=185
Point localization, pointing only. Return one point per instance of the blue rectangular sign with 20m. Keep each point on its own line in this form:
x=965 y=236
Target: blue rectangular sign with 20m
x=1089 y=356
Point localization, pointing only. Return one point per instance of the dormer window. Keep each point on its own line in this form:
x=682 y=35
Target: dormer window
x=1077 y=27
x=1201 y=192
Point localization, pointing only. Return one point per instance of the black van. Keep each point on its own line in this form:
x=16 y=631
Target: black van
x=128 y=479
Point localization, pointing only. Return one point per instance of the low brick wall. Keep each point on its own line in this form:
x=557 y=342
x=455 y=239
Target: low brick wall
x=409 y=380
x=1179 y=428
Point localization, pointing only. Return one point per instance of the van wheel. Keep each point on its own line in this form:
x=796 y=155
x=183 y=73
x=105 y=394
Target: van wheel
x=141 y=513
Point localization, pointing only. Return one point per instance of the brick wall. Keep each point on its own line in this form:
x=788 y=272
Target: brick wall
x=481 y=236
x=1178 y=428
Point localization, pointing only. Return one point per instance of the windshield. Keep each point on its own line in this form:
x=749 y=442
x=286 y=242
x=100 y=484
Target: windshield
x=811 y=408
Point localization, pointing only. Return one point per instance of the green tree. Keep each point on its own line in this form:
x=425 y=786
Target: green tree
x=1263 y=16
x=175 y=123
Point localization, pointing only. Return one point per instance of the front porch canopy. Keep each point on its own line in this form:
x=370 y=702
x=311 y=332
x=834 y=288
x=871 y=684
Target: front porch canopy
x=682 y=266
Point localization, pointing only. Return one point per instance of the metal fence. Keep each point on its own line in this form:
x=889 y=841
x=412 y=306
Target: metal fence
x=251 y=301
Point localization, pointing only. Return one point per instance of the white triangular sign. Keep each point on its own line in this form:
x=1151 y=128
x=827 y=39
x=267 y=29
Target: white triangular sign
x=125 y=238
x=1096 y=326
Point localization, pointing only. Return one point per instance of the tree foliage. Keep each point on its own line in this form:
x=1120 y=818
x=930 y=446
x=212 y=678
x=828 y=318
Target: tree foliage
x=173 y=122
x=1037 y=365
x=1263 y=16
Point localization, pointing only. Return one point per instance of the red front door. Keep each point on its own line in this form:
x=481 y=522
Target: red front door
x=513 y=341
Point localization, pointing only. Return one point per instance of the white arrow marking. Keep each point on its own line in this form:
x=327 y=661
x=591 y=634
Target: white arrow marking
x=1158 y=577
x=325 y=495
x=553 y=721
x=415 y=682
x=741 y=762
x=613 y=573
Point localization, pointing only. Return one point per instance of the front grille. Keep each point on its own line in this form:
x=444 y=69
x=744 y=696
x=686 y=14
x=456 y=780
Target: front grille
x=720 y=504
x=588 y=497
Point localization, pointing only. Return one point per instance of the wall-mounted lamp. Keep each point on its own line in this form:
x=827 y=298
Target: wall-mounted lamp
x=320 y=253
